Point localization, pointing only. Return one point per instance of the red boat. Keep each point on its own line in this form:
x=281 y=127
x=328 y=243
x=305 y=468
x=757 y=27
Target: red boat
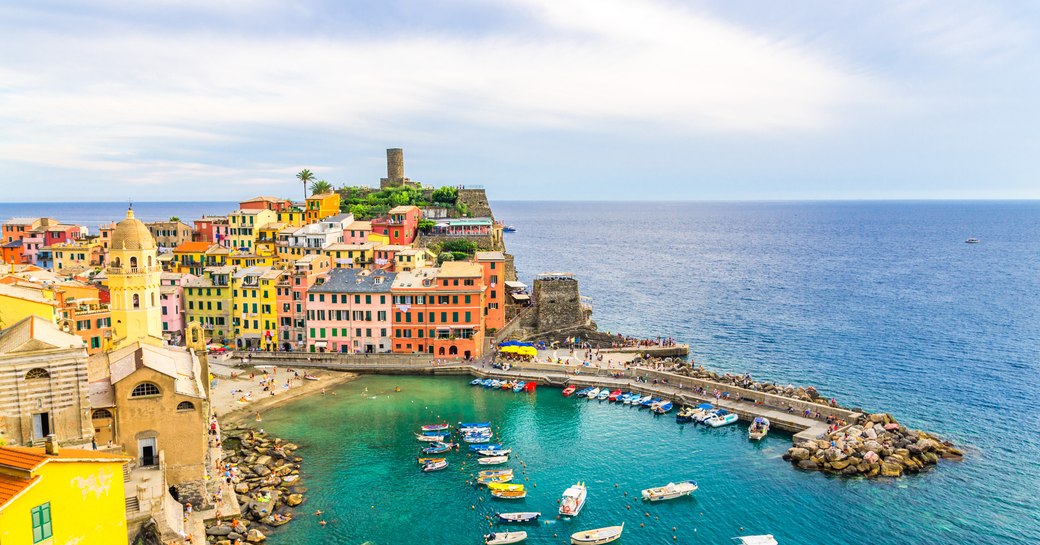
x=614 y=395
x=569 y=390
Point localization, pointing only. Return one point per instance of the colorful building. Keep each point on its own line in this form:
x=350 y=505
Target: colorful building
x=12 y=253
x=349 y=311
x=313 y=238
x=439 y=311
x=350 y=256
x=255 y=310
x=400 y=226
x=291 y=299
x=20 y=301
x=57 y=496
x=410 y=259
x=194 y=257
x=357 y=232
x=245 y=226
x=215 y=229
x=462 y=227
x=321 y=206
x=386 y=256
x=76 y=255
x=170 y=234
x=171 y=299
x=493 y=266
x=208 y=301
x=133 y=278
x=265 y=203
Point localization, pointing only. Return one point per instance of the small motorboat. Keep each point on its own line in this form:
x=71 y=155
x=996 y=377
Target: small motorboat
x=642 y=400
x=670 y=491
x=435 y=466
x=308 y=377
x=492 y=479
x=464 y=427
x=614 y=395
x=508 y=229
x=767 y=539
x=583 y=392
x=593 y=393
x=427 y=460
x=475 y=382
x=758 y=429
x=649 y=402
x=973 y=240
x=492 y=460
x=434 y=437
x=569 y=390
x=491 y=472
x=477 y=438
x=703 y=412
x=597 y=536
x=573 y=500
x=523 y=516
x=684 y=415
x=506 y=486
x=501 y=538
x=519 y=386
x=476 y=448
x=603 y=394
x=509 y=494
x=722 y=418
x=495 y=452
x=435 y=427
x=661 y=407
x=438 y=448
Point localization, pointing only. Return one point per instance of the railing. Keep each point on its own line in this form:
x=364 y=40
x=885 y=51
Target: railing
x=112 y=269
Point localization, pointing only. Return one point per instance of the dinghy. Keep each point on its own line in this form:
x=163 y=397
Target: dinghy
x=703 y=412
x=464 y=427
x=489 y=472
x=614 y=395
x=492 y=460
x=597 y=536
x=603 y=394
x=759 y=428
x=722 y=418
x=661 y=407
x=684 y=415
x=593 y=393
x=476 y=448
x=475 y=382
x=435 y=427
x=492 y=479
x=438 y=448
x=431 y=437
x=569 y=390
x=509 y=494
x=523 y=516
x=501 y=538
x=435 y=466
x=427 y=460
x=515 y=487
x=670 y=491
x=519 y=386
x=495 y=452
x=649 y=402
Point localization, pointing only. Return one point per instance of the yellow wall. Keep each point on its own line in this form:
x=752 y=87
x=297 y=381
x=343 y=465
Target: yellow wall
x=322 y=206
x=204 y=309
x=14 y=309
x=291 y=218
x=378 y=238
x=87 y=505
x=261 y=297
x=245 y=226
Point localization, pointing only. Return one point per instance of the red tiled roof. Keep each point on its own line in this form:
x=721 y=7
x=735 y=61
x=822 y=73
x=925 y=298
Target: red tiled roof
x=12 y=486
x=30 y=458
x=193 y=247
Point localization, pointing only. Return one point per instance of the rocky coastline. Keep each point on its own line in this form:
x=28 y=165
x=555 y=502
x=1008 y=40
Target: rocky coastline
x=266 y=480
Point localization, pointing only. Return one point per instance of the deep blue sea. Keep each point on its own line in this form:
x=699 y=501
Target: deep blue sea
x=880 y=304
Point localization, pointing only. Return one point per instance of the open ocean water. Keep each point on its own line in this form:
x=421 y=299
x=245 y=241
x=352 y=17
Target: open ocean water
x=881 y=304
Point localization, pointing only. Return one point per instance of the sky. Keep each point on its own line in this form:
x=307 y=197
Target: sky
x=533 y=99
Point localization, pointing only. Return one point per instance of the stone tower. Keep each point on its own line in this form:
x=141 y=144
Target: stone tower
x=395 y=170
x=133 y=284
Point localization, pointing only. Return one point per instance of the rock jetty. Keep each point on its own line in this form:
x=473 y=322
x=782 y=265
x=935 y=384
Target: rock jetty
x=875 y=446
x=266 y=480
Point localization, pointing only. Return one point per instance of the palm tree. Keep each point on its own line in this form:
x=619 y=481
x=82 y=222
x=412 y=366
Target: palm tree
x=305 y=176
x=321 y=186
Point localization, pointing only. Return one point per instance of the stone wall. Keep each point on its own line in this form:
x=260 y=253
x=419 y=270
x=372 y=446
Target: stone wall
x=487 y=243
x=557 y=303
x=476 y=202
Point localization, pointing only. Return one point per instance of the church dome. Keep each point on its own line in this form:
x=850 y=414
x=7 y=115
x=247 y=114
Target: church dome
x=131 y=234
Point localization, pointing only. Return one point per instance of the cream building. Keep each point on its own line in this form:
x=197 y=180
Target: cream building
x=134 y=280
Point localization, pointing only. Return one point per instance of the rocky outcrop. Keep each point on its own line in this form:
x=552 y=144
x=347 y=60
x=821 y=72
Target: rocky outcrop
x=874 y=446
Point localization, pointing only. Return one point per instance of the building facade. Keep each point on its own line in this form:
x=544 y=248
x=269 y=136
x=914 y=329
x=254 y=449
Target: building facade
x=349 y=312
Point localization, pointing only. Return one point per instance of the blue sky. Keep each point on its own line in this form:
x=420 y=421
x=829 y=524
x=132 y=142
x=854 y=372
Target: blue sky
x=534 y=99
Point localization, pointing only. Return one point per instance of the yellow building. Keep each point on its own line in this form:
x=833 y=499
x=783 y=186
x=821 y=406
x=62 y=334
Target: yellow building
x=321 y=206
x=133 y=283
x=294 y=217
x=77 y=256
x=414 y=258
x=193 y=257
x=240 y=260
x=245 y=227
x=208 y=300
x=350 y=256
x=267 y=238
x=378 y=239
x=20 y=302
x=255 y=318
x=51 y=496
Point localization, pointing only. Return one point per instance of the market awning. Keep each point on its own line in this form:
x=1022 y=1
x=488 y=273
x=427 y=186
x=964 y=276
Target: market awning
x=321 y=344
x=514 y=285
x=520 y=296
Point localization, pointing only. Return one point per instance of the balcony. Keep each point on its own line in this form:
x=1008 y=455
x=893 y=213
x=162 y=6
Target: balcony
x=112 y=269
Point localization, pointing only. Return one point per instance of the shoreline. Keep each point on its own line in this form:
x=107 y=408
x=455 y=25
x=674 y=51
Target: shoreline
x=242 y=414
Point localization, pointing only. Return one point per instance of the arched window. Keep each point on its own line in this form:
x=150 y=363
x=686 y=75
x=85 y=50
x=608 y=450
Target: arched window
x=101 y=413
x=153 y=299
x=185 y=406
x=36 y=374
x=149 y=261
x=137 y=301
x=133 y=262
x=117 y=262
x=453 y=350
x=145 y=389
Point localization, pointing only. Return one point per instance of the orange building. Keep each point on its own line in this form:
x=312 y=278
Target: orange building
x=439 y=311
x=321 y=206
x=265 y=203
x=493 y=265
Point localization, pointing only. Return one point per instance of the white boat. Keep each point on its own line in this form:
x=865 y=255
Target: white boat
x=523 y=516
x=642 y=400
x=495 y=452
x=573 y=500
x=492 y=460
x=593 y=393
x=501 y=538
x=435 y=466
x=633 y=399
x=670 y=491
x=767 y=539
x=702 y=412
x=759 y=428
x=972 y=240
x=722 y=418
x=599 y=535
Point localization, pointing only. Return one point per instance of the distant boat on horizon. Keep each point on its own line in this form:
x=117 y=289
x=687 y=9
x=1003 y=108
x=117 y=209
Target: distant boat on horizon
x=973 y=240
x=508 y=229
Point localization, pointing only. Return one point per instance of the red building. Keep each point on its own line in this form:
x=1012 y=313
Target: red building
x=401 y=225
x=493 y=266
x=265 y=203
x=439 y=311
x=212 y=229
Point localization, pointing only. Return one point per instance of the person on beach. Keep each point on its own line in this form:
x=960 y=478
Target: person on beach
x=258 y=419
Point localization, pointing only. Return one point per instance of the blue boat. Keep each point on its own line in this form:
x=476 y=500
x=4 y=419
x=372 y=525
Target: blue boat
x=438 y=448
x=486 y=383
x=650 y=402
x=662 y=407
x=467 y=427
x=476 y=382
x=519 y=386
x=496 y=446
x=583 y=392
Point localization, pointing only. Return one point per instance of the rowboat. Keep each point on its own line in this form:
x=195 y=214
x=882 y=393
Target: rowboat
x=426 y=460
x=722 y=417
x=509 y=494
x=573 y=500
x=490 y=472
x=490 y=479
x=473 y=426
x=684 y=415
x=759 y=428
x=501 y=538
x=644 y=399
x=438 y=448
x=603 y=394
x=583 y=392
x=631 y=398
x=475 y=382
x=492 y=460
x=477 y=438
x=661 y=407
x=506 y=486
x=614 y=395
x=519 y=386
x=435 y=466
x=767 y=539
x=495 y=452
x=435 y=427
x=506 y=385
x=703 y=412
x=307 y=377
x=593 y=393
x=523 y=516
x=597 y=536
x=670 y=491
x=649 y=402
x=569 y=390
x=477 y=448
x=431 y=437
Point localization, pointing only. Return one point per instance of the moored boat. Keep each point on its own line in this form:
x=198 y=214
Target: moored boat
x=492 y=460
x=593 y=393
x=519 y=386
x=438 y=448
x=583 y=392
x=502 y=538
x=766 y=539
x=614 y=395
x=573 y=500
x=509 y=494
x=597 y=536
x=603 y=394
x=429 y=460
x=703 y=412
x=495 y=452
x=435 y=466
x=569 y=390
x=670 y=491
x=431 y=437
x=684 y=415
x=661 y=407
x=642 y=400
x=464 y=427
x=505 y=486
x=649 y=402
x=759 y=428
x=522 y=516
x=476 y=448
x=475 y=382
x=722 y=418
x=491 y=479
x=435 y=427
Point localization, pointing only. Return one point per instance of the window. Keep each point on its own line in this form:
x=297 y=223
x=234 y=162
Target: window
x=37 y=374
x=467 y=299
x=185 y=406
x=137 y=300
x=95 y=342
x=467 y=318
x=101 y=413
x=41 y=522
x=145 y=389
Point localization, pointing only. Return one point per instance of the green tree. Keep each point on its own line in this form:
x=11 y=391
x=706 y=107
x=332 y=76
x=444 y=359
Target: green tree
x=360 y=211
x=305 y=176
x=321 y=186
x=445 y=256
x=426 y=225
x=458 y=245
x=445 y=195
x=175 y=218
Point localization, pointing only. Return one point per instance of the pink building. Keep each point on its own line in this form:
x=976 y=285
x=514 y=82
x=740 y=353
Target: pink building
x=357 y=232
x=291 y=299
x=213 y=229
x=171 y=298
x=350 y=312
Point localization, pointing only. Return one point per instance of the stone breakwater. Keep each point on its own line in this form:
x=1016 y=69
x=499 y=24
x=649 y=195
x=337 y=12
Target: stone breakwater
x=266 y=479
x=876 y=445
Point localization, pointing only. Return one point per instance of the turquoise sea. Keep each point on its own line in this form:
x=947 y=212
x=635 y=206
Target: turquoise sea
x=881 y=304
